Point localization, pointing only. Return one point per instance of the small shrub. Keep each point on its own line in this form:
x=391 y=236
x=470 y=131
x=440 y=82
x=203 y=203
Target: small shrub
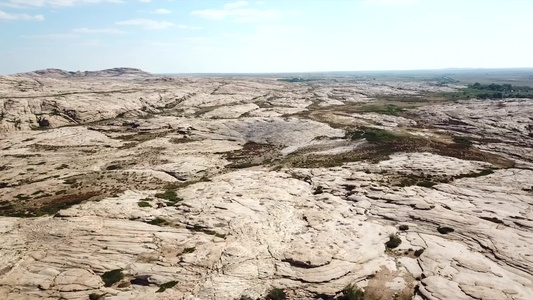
x=95 y=296
x=167 y=285
x=189 y=250
x=352 y=292
x=404 y=227
x=158 y=221
x=462 y=142
x=276 y=294
x=144 y=204
x=419 y=252
x=394 y=241
x=319 y=190
x=111 y=277
x=168 y=195
x=426 y=183
x=445 y=230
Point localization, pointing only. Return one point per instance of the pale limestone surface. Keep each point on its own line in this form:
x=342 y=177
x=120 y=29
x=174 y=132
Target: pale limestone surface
x=241 y=231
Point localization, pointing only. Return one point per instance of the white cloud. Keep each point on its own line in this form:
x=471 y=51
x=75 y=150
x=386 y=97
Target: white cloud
x=239 y=14
x=54 y=3
x=235 y=4
x=189 y=27
x=162 y=11
x=388 y=2
x=52 y=36
x=19 y=17
x=147 y=24
x=96 y=31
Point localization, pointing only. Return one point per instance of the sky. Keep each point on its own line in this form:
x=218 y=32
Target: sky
x=195 y=36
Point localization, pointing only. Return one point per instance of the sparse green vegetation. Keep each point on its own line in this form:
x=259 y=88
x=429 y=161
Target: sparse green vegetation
x=352 y=292
x=144 y=204
x=491 y=91
x=276 y=294
x=167 y=285
x=169 y=195
x=462 y=141
x=387 y=109
x=159 y=222
x=111 y=277
x=374 y=135
x=296 y=79
x=199 y=228
x=393 y=242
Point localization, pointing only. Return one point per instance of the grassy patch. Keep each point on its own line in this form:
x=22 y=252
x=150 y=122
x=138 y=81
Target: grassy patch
x=462 y=142
x=111 y=277
x=166 y=285
x=490 y=91
x=169 y=195
x=387 y=109
x=374 y=135
x=199 y=228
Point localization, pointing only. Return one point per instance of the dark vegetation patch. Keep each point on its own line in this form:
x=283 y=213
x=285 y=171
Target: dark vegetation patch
x=111 y=277
x=352 y=292
x=251 y=154
x=142 y=136
x=276 y=294
x=50 y=206
x=296 y=79
x=188 y=250
x=382 y=143
x=170 y=195
x=199 y=228
x=158 y=221
x=393 y=242
x=403 y=227
x=166 y=285
x=144 y=204
x=490 y=91
x=419 y=252
x=386 y=109
x=95 y=296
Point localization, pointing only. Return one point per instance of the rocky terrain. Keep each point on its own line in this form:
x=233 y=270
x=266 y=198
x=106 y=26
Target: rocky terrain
x=150 y=187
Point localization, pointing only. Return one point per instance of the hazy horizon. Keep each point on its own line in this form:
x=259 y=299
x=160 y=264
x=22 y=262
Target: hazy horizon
x=255 y=37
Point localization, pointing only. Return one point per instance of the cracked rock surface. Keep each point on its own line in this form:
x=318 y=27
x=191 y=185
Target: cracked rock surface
x=226 y=188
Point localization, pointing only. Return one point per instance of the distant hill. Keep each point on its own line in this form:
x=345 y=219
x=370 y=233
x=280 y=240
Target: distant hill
x=115 y=72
